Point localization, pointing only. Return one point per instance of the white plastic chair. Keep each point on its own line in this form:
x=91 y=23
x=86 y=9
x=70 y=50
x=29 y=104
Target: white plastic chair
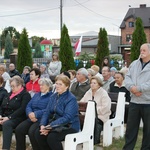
x=116 y=124
x=86 y=135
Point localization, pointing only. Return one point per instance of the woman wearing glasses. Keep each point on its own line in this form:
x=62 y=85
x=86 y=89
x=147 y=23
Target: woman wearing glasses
x=12 y=110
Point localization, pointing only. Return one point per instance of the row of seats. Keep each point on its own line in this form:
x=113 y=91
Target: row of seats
x=112 y=128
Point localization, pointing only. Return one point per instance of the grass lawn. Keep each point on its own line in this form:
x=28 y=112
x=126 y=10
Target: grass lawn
x=118 y=144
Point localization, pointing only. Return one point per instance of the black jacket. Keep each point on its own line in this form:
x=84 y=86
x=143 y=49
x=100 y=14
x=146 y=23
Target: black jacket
x=15 y=108
x=3 y=93
x=13 y=73
x=116 y=89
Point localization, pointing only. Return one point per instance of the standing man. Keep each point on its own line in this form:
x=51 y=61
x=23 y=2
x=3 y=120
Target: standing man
x=137 y=81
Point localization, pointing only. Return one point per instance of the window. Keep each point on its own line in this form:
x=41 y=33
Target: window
x=128 y=37
x=131 y=24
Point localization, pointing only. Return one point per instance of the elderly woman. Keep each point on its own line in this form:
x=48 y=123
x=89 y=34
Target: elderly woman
x=32 y=86
x=91 y=73
x=3 y=73
x=60 y=118
x=54 y=67
x=34 y=111
x=12 y=109
x=96 y=69
x=100 y=96
x=26 y=74
x=43 y=70
x=72 y=77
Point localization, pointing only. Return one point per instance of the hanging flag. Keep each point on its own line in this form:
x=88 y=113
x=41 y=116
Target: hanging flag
x=78 y=46
x=130 y=41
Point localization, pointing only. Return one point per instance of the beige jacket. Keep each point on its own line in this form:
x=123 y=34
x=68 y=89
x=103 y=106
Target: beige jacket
x=103 y=103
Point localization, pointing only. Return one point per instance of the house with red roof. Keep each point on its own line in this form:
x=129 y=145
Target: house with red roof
x=46 y=47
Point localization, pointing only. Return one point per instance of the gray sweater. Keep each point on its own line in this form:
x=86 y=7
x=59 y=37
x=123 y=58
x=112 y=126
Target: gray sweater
x=54 y=68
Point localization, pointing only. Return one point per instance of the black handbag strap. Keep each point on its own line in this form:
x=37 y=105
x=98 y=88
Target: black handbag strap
x=96 y=115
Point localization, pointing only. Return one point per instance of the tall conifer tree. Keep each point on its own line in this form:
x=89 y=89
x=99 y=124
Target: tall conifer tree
x=138 y=38
x=102 y=47
x=24 y=52
x=8 y=46
x=38 y=53
x=66 y=53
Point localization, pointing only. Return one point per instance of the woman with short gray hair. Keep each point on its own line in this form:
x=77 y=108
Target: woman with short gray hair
x=34 y=111
x=12 y=110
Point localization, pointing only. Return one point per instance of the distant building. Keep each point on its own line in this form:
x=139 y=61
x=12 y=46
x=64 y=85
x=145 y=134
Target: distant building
x=46 y=47
x=90 y=41
x=128 y=25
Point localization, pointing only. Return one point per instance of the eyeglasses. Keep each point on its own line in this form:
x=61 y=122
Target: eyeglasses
x=13 y=86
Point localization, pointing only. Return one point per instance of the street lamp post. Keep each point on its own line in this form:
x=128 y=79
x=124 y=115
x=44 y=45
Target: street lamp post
x=61 y=16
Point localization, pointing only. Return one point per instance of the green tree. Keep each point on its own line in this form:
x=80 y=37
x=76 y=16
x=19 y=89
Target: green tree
x=14 y=34
x=102 y=47
x=8 y=46
x=24 y=52
x=38 y=53
x=36 y=39
x=88 y=65
x=138 y=38
x=66 y=53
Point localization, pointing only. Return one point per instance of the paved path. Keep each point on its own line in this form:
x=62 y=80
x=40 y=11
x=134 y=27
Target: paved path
x=79 y=147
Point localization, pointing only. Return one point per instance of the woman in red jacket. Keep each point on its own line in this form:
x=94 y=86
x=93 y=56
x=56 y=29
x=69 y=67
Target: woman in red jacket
x=32 y=86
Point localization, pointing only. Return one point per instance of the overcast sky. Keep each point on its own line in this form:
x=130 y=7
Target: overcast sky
x=42 y=17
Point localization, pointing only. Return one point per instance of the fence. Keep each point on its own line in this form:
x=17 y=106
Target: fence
x=46 y=61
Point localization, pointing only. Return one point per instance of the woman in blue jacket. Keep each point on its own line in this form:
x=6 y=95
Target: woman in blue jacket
x=34 y=111
x=60 y=118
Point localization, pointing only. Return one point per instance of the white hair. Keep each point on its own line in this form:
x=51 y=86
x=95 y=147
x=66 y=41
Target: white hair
x=84 y=72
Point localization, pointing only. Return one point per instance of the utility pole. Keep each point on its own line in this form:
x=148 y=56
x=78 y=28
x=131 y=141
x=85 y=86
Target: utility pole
x=61 y=16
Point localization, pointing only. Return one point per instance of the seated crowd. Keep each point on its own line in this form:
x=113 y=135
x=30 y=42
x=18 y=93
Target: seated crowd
x=46 y=109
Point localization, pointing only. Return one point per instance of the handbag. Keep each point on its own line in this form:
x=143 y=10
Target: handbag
x=58 y=128
x=97 y=128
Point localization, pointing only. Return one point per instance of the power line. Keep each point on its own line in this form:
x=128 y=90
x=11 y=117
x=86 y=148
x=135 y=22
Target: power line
x=36 y=11
x=95 y=12
x=28 y=13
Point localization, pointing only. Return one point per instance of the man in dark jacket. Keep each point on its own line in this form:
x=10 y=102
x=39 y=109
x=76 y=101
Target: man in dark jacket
x=12 y=71
x=82 y=85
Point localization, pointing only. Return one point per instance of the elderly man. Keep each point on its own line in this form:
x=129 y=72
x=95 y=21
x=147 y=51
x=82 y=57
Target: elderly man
x=82 y=84
x=35 y=65
x=107 y=77
x=137 y=81
x=12 y=70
